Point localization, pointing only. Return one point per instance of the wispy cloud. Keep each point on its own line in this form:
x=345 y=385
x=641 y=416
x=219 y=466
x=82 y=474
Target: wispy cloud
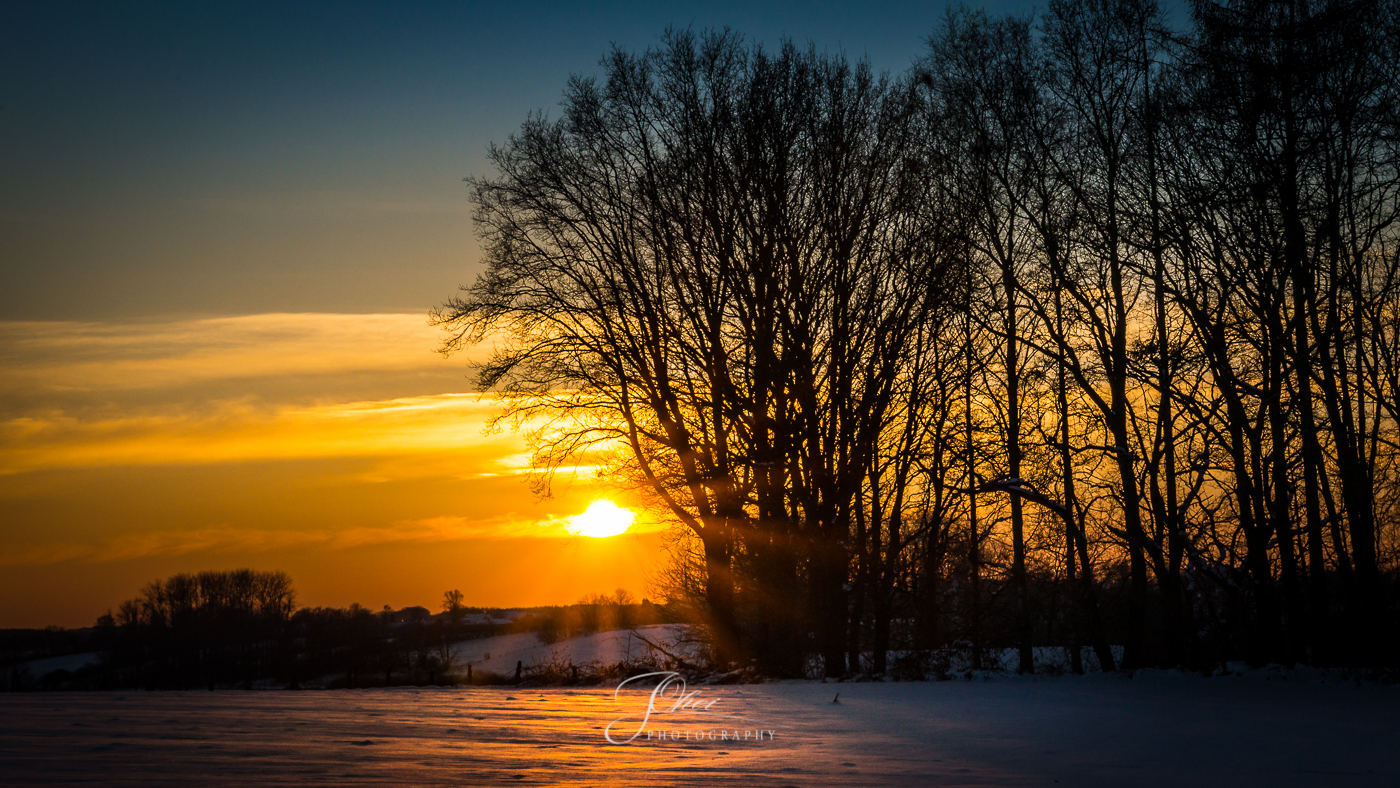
x=72 y=356
x=98 y=394
x=229 y=539
x=241 y=431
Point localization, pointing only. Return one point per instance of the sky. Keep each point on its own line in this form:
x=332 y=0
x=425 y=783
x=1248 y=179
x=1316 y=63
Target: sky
x=222 y=226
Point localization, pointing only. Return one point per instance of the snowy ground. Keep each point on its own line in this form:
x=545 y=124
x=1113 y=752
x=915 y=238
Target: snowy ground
x=494 y=617
x=499 y=654
x=39 y=667
x=1151 y=730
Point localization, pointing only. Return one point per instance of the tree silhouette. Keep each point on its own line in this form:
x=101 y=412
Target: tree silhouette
x=452 y=605
x=1086 y=331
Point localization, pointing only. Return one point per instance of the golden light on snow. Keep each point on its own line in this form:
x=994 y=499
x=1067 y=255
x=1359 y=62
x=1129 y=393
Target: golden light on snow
x=603 y=518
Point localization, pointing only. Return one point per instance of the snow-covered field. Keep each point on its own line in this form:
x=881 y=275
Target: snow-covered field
x=500 y=654
x=1150 y=730
x=39 y=667
x=659 y=642
x=494 y=617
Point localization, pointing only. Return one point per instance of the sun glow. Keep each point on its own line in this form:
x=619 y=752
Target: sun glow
x=603 y=518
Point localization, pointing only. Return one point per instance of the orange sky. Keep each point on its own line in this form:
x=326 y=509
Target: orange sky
x=338 y=447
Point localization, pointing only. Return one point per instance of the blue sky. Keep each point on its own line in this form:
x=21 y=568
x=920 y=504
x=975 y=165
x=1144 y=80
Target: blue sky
x=204 y=159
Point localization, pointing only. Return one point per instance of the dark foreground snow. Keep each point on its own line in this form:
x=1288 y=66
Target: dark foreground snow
x=1153 y=730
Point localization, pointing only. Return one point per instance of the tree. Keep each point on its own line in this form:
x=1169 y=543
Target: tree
x=1083 y=309
x=719 y=259
x=452 y=605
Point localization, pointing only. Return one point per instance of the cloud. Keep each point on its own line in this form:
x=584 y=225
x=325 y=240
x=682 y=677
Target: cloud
x=255 y=387
x=95 y=357
x=242 y=430
x=230 y=539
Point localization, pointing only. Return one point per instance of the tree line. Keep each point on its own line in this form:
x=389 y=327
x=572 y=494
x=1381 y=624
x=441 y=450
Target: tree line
x=241 y=629
x=1083 y=332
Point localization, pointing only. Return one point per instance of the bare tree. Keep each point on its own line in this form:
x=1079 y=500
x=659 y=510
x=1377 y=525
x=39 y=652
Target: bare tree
x=717 y=258
x=452 y=605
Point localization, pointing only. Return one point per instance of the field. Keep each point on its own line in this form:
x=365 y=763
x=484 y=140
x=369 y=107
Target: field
x=1156 y=729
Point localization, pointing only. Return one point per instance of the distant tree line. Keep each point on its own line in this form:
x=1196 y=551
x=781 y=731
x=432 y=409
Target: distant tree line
x=1083 y=332
x=241 y=629
x=594 y=613
x=206 y=629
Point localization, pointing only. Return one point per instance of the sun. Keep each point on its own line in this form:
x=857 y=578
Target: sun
x=603 y=518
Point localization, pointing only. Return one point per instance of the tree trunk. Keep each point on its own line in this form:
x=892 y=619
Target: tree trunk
x=1024 y=624
x=719 y=592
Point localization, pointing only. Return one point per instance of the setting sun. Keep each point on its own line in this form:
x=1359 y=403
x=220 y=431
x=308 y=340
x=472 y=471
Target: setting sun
x=602 y=519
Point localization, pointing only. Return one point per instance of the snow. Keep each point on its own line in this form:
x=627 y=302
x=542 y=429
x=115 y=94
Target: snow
x=70 y=662
x=490 y=617
x=500 y=653
x=1047 y=660
x=1268 y=728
